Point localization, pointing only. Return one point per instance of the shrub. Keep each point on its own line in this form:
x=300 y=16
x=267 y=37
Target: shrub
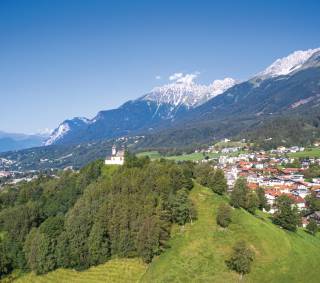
x=224 y=215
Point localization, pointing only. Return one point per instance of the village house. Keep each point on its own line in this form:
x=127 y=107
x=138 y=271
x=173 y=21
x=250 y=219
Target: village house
x=231 y=176
x=315 y=216
x=298 y=201
x=271 y=196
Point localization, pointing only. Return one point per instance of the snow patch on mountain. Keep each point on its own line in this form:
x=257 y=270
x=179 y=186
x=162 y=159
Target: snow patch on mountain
x=58 y=133
x=287 y=65
x=184 y=91
x=64 y=128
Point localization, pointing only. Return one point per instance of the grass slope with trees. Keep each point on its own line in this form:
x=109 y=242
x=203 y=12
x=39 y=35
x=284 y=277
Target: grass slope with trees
x=198 y=252
x=146 y=222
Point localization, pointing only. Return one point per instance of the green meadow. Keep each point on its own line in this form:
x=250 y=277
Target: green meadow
x=309 y=152
x=183 y=157
x=152 y=154
x=199 y=250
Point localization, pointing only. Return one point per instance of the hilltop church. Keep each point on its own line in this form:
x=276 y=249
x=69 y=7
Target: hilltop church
x=116 y=158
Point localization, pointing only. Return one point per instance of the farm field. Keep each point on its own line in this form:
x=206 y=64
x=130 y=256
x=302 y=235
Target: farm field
x=184 y=157
x=152 y=154
x=309 y=152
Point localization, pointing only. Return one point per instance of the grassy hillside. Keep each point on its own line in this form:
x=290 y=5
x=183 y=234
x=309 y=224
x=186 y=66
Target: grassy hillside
x=199 y=250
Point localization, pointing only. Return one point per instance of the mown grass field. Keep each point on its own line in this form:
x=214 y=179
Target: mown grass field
x=198 y=252
x=152 y=154
x=184 y=157
x=309 y=152
x=117 y=271
x=192 y=156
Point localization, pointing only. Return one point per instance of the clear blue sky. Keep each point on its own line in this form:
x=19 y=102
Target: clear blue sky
x=60 y=59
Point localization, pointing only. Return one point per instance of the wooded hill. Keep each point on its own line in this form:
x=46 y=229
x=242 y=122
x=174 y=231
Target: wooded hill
x=144 y=222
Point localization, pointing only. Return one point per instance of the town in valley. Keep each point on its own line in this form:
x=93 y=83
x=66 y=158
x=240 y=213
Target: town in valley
x=293 y=171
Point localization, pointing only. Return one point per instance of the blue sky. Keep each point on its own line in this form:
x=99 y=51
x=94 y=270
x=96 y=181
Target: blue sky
x=60 y=59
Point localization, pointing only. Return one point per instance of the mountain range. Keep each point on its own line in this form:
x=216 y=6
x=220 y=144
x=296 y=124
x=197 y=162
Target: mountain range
x=162 y=104
x=289 y=86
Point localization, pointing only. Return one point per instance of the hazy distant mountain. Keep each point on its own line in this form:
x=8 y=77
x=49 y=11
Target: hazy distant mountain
x=13 y=141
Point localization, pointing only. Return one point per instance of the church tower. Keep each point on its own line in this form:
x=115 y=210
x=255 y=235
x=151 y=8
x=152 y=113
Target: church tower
x=114 y=150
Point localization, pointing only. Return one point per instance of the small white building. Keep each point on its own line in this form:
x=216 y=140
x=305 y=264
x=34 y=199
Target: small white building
x=231 y=176
x=116 y=158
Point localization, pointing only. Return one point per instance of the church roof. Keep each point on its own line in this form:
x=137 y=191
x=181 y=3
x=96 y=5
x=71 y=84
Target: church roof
x=120 y=153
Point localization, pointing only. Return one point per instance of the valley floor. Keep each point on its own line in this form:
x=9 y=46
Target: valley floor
x=199 y=250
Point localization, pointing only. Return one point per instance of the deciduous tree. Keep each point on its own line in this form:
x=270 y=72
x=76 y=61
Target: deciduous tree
x=287 y=215
x=241 y=258
x=312 y=227
x=239 y=193
x=224 y=215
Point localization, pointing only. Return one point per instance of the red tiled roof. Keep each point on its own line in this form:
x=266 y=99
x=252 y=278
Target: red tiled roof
x=296 y=199
x=272 y=193
x=253 y=186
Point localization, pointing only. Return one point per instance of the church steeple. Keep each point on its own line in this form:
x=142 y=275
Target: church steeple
x=114 y=150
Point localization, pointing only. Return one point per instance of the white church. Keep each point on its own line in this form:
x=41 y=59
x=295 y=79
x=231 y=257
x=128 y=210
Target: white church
x=116 y=158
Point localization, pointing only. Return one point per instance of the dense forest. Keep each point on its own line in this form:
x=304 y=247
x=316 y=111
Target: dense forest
x=80 y=219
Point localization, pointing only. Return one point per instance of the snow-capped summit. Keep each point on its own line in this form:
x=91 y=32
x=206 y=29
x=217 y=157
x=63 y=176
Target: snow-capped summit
x=171 y=103
x=287 y=65
x=162 y=103
x=184 y=91
x=58 y=133
x=219 y=86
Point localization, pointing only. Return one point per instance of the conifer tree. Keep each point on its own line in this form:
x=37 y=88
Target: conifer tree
x=217 y=182
x=252 y=202
x=263 y=203
x=239 y=194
